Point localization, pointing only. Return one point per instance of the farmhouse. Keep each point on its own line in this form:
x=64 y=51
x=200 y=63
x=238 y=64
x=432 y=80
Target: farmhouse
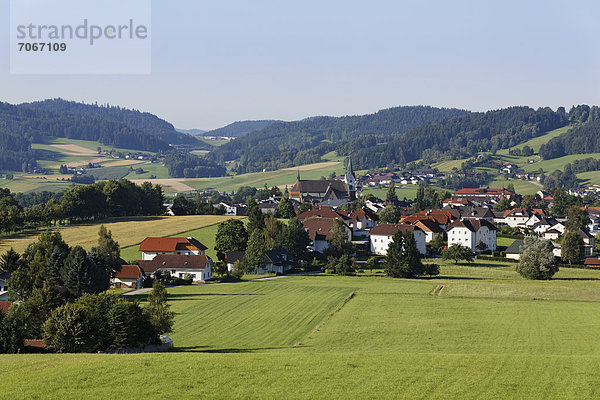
x=179 y=265
x=469 y=232
x=381 y=237
x=130 y=276
x=153 y=246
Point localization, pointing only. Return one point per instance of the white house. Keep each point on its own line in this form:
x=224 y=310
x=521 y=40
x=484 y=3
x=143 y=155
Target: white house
x=431 y=229
x=517 y=217
x=4 y=277
x=153 y=246
x=361 y=222
x=179 y=265
x=130 y=276
x=469 y=232
x=380 y=237
x=320 y=230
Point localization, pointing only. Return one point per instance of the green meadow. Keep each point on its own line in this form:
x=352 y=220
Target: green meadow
x=475 y=332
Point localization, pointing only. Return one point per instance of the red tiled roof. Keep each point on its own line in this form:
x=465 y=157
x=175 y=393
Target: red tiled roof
x=428 y=225
x=39 y=343
x=592 y=261
x=129 y=272
x=391 y=229
x=323 y=212
x=5 y=305
x=152 y=244
x=319 y=226
x=484 y=191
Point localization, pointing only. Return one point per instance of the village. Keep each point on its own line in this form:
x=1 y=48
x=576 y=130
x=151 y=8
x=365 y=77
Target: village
x=469 y=218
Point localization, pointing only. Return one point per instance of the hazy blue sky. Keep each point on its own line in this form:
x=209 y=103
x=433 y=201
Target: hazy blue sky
x=220 y=61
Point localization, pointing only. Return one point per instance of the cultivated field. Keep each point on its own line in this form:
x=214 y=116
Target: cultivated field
x=537 y=142
x=127 y=231
x=476 y=332
x=558 y=163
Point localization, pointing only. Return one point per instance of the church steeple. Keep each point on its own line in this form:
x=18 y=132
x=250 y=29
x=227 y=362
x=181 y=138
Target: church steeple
x=350 y=179
x=298 y=176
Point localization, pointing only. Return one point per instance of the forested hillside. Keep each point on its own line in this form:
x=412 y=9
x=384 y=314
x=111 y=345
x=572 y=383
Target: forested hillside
x=142 y=121
x=457 y=137
x=285 y=144
x=581 y=139
x=240 y=128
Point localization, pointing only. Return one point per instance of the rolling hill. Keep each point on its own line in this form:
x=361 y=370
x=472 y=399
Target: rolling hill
x=240 y=128
x=286 y=144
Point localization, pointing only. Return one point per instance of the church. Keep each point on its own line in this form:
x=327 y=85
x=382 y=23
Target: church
x=326 y=192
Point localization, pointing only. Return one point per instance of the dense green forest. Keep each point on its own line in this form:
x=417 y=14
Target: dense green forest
x=184 y=165
x=583 y=138
x=141 y=121
x=457 y=137
x=240 y=128
x=285 y=144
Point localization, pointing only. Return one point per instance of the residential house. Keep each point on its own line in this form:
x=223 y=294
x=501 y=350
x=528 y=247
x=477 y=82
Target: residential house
x=482 y=195
x=130 y=276
x=381 y=236
x=441 y=217
x=5 y=306
x=469 y=232
x=4 y=277
x=431 y=229
x=552 y=234
x=233 y=210
x=278 y=261
x=153 y=246
x=474 y=212
x=592 y=262
x=544 y=225
x=517 y=217
x=361 y=221
x=515 y=250
x=517 y=247
x=320 y=230
x=179 y=265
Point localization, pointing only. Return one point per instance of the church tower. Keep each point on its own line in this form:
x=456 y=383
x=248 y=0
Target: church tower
x=350 y=180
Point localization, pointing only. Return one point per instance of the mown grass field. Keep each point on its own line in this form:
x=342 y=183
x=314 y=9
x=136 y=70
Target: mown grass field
x=558 y=163
x=537 y=142
x=589 y=178
x=521 y=187
x=205 y=234
x=474 y=332
x=127 y=231
x=281 y=178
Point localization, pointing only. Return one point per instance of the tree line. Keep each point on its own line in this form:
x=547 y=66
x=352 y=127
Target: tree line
x=82 y=203
x=286 y=144
x=59 y=295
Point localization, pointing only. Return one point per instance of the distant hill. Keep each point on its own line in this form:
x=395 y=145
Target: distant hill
x=20 y=125
x=193 y=132
x=141 y=121
x=240 y=128
x=286 y=144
